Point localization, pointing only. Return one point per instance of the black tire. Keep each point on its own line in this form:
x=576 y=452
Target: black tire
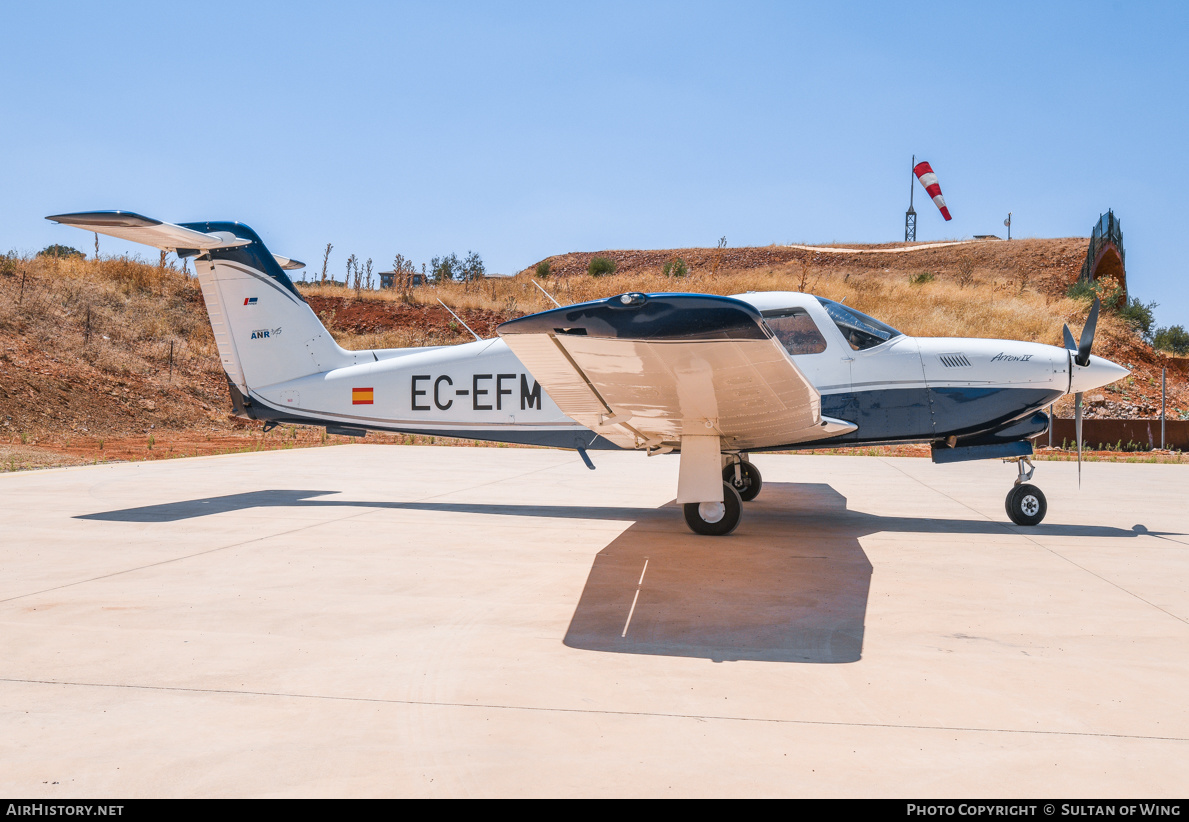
x=751 y=481
x=1026 y=505
x=731 y=513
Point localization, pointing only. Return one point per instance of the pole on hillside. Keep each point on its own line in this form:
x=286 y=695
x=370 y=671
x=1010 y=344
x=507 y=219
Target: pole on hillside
x=1163 y=397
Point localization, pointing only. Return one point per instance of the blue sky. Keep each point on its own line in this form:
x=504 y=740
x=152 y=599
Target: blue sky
x=520 y=130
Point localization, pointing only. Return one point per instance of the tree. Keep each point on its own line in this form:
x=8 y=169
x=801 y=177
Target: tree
x=445 y=269
x=472 y=268
x=1175 y=340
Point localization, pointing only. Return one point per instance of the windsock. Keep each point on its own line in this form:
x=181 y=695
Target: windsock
x=924 y=173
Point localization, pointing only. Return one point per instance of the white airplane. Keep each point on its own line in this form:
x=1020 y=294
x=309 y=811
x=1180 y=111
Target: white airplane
x=711 y=378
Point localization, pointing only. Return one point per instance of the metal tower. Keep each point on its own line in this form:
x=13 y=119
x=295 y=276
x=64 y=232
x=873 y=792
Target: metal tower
x=910 y=216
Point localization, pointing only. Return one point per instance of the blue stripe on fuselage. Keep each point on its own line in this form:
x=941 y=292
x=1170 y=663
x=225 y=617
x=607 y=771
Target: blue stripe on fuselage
x=919 y=414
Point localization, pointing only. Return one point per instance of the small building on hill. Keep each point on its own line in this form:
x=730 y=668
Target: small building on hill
x=388 y=279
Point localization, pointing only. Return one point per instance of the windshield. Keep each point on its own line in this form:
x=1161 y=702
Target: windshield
x=859 y=330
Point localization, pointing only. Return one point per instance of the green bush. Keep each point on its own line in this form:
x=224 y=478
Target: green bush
x=1174 y=340
x=1138 y=317
x=922 y=278
x=542 y=269
x=600 y=266
x=675 y=268
x=1109 y=291
x=60 y=251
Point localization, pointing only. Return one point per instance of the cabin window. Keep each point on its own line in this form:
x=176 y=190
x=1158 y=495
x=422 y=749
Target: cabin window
x=796 y=331
x=859 y=330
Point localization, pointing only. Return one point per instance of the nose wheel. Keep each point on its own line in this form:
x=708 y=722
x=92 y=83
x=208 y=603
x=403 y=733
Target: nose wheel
x=1025 y=503
x=745 y=478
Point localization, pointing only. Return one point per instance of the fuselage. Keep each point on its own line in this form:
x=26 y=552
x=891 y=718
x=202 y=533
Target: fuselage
x=893 y=387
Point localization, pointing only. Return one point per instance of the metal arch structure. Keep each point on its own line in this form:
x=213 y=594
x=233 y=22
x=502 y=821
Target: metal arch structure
x=1105 y=256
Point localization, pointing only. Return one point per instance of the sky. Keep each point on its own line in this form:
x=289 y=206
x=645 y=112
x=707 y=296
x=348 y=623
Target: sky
x=522 y=130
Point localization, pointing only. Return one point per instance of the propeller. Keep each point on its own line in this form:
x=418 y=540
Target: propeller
x=1080 y=355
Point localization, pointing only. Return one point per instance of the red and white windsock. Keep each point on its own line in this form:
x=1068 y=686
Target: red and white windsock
x=924 y=173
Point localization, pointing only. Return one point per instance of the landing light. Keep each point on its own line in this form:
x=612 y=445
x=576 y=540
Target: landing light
x=633 y=298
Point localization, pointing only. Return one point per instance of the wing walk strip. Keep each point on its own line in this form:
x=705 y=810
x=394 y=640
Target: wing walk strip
x=597 y=711
x=1022 y=533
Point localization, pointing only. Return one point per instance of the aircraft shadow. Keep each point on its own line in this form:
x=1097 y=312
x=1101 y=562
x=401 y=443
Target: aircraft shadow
x=791 y=585
x=781 y=589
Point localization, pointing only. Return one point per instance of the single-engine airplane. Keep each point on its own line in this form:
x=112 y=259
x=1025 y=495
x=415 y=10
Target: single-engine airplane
x=711 y=378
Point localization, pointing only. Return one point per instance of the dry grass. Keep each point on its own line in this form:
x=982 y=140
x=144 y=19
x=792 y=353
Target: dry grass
x=137 y=309
x=985 y=307
x=123 y=314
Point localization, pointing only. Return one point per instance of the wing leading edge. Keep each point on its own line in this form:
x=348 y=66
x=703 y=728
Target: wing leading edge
x=646 y=370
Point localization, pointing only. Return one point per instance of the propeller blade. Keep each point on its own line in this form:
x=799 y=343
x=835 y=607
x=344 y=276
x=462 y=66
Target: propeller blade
x=1070 y=342
x=1077 y=425
x=1083 y=357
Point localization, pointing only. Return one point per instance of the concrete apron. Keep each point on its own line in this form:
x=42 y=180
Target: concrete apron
x=401 y=621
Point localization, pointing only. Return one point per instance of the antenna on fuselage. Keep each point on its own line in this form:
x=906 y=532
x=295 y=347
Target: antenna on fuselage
x=546 y=293
x=464 y=325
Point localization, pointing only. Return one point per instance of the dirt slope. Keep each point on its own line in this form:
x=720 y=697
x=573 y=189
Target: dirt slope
x=85 y=362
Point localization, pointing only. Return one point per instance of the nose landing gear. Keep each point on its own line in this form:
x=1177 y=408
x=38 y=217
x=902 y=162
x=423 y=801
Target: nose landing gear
x=1025 y=503
x=745 y=478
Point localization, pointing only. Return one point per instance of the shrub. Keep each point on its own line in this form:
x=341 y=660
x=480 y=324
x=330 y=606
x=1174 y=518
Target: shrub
x=542 y=269
x=922 y=278
x=1081 y=290
x=1108 y=290
x=60 y=251
x=600 y=266
x=675 y=268
x=1138 y=317
x=1174 y=340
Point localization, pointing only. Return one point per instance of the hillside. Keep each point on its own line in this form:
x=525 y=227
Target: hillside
x=103 y=359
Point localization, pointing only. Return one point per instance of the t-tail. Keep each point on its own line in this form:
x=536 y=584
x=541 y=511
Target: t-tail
x=248 y=295
x=283 y=365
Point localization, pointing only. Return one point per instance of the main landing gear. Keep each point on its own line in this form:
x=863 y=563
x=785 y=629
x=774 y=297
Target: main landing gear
x=1025 y=503
x=741 y=482
x=715 y=519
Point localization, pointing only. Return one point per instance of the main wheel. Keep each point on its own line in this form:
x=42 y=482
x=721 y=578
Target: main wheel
x=1026 y=505
x=715 y=519
x=749 y=483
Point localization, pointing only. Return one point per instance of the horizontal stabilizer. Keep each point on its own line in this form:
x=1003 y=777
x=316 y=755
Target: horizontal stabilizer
x=147 y=231
x=137 y=228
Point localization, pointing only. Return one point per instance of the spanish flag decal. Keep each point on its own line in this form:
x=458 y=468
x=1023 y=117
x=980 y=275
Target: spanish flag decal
x=361 y=396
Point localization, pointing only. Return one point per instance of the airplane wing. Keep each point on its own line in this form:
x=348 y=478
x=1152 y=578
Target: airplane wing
x=644 y=370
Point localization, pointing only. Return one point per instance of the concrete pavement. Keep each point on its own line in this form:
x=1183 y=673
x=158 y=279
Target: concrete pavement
x=401 y=621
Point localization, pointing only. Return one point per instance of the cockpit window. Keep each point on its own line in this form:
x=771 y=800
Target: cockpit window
x=796 y=331
x=859 y=330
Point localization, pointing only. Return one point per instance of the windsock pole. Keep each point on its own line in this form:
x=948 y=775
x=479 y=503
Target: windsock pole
x=910 y=216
